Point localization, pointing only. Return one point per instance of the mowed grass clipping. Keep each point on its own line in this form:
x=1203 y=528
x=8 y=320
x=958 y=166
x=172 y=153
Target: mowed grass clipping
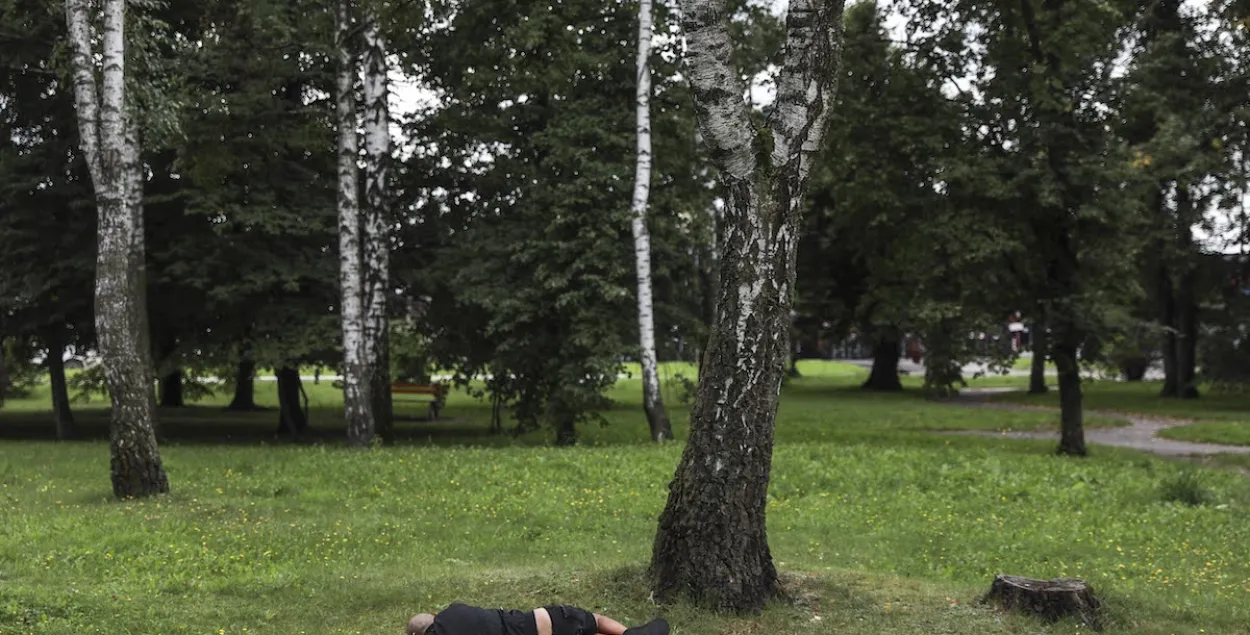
x=880 y=525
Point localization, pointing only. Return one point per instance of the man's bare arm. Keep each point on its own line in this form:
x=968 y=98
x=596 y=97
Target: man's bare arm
x=608 y=626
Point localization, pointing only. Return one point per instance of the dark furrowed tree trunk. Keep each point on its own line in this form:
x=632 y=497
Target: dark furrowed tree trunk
x=136 y=464
x=171 y=390
x=121 y=324
x=1071 y=427
x=292 y=419
x=884 y=375
x=244 y=387
x=712 y=544
x=65 y=428
x=1037 y=370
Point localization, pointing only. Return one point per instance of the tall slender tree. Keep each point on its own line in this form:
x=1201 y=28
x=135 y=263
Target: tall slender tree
x=110 y=143
x=652 y=402
x=711 y=544
x=376 y=241
x=357 y=382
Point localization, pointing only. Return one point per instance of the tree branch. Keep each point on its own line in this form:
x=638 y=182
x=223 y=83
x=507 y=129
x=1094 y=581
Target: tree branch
x=86 y=93
x=718 y=90
x=113 y=97
x=807 y=82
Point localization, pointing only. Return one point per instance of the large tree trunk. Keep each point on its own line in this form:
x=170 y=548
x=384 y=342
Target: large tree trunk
x=884 y=374
x=712 y=542
x=652 y=401
x=110 y=146
x=1040 y=342
x=377 y=223
x=292 y=418
x=65 y=428
x=171 y=389
x=1071 y=428
x=357 y=404
x=711 y=545
x=244 y=386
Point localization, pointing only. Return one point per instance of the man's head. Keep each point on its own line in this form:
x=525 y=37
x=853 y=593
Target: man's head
x=420 y=623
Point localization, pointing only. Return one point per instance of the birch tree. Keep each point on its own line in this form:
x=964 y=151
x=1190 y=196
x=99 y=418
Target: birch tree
x=357 y=402
x=110 y=145
x=652 y=402
x=711 y=543
x=377 y=236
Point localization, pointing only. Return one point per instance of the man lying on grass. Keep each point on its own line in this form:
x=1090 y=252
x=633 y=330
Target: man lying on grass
x=462 y=619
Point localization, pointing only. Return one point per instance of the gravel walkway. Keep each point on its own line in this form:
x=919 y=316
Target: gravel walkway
x=1140 y=435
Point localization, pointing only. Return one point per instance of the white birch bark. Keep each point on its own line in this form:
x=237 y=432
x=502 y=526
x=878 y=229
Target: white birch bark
x=357 y=406
x=805 y=89
x=86 y=92
x=652 y=402
x=377 y=235
x=110 y=144
x=711 y=544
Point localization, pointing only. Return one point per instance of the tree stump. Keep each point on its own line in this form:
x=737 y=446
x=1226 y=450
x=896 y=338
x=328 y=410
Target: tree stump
x=1048 y=599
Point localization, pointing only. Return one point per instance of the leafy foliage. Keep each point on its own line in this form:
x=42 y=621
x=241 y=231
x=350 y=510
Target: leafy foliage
x=255 y=165
x=47 y=211
x=894 y=241
x=522 y=246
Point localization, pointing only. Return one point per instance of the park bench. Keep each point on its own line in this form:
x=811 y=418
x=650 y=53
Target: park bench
x=436 y=392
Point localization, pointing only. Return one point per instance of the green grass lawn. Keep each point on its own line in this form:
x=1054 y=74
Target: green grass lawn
x=1221 y=417
x=1026 y=363
x=1143 y=397
x=879 y=526
x=1222 y=432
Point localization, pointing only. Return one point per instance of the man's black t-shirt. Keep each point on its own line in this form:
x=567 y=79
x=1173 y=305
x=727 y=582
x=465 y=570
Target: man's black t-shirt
x=462 y=619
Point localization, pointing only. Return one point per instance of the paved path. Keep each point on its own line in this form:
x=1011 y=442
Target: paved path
x=1139 y=435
